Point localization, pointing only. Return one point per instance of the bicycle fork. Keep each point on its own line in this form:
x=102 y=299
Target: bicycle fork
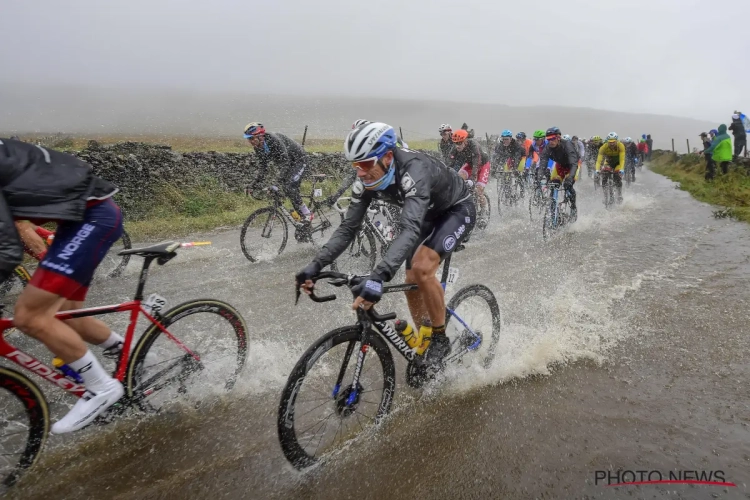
x=345 y=402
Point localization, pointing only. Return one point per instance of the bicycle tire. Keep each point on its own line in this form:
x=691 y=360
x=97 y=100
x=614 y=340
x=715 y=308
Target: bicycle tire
x=126 y=245
x=290 y=444
x=365 y=246
x=485 y=294
x=258 y=213
x=536 y=203
x=20 y=274
x=547 y=227
x=36 y=412
x=137 y=364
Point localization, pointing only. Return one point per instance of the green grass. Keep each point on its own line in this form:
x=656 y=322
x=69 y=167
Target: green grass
x=200 y=209
x=186 y=144
x=731 y=191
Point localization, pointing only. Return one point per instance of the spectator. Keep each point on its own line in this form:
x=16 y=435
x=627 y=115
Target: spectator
x=740 y=136
x=710 y=164
x=721 y=149
x=650 y=144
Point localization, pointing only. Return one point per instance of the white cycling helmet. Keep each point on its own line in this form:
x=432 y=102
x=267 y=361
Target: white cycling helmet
x=627 y=140
x=445 y=128
x=359 y=123
x=566 y=137
x=371 y=140
x=612 y=136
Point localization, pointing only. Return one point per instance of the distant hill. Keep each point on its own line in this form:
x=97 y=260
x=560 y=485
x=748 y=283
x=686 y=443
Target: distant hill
x=80 y=110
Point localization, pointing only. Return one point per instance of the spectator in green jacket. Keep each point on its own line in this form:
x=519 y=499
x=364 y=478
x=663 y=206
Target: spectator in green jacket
x=721 y=149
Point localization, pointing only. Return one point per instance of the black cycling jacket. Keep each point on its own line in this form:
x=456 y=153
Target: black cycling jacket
x=565 y=155
x=445 y=148
x=422 y=187
x=41 y=184
x=514 y=151
x=472 y=154
x=283 y=151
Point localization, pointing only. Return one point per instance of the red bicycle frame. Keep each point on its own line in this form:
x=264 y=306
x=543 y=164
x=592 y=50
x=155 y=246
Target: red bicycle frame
x=134 y=306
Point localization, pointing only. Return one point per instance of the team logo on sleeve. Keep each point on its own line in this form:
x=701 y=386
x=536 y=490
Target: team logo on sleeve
x=407 y=183
x=449 y=242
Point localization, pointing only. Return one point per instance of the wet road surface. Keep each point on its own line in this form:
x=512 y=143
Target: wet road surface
x=623 y=347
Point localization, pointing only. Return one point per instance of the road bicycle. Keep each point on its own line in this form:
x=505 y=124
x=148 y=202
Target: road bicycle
x=538 y=199
x=168 y=358
x=509 y=190
x=608 y=186
x=558 y=213
x=111 y=266
x=379 y=228
x=266 y=231
x=338 y=377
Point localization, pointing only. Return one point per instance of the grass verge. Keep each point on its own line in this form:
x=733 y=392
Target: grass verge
x=731 y=191
x=200 y=209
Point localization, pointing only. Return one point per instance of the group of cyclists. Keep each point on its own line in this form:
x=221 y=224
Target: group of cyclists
x=435 y=198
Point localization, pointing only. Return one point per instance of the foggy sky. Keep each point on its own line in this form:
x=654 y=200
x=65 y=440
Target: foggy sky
x=677 y=57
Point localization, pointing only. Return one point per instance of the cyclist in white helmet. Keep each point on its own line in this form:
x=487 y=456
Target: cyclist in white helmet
x=445 y=145
x=437 y=214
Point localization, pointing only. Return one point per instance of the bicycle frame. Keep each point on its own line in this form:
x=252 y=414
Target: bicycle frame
x=134 y=307
x=554 y=189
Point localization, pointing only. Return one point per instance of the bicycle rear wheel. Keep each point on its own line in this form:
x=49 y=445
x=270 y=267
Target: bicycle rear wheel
x=24 y=426
x=264 y=234
x=318 y=416
x=472 y=323
x=549 y=224
x=205 y=356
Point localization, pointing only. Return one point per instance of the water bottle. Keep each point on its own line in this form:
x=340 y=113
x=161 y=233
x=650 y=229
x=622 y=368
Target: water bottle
x=425 y=335
x=61 y=367
x=295 y=215
x=413 y=339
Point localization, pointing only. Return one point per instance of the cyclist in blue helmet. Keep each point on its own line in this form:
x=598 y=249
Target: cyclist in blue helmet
x=507 y=159
x=437 y=215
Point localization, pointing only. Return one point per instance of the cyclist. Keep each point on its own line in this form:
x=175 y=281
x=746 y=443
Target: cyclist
x=507 y=158
x=642 y=150
x=437 y=215
x=631 y=153
x=614 y=152
x=529 y=156
x=565 y=156
x=592 y=149
x=445 y=145
x=43 y=185
x=475 y=166
x=290 y=159
x=581 y=154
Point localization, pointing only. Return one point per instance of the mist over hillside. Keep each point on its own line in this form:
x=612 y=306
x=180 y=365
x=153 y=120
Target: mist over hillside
x=97 y=111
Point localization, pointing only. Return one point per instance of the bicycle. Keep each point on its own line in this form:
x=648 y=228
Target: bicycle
x=345 y=397
x=110 y=267
x=508 y=189
x=150 y=384
x=259 y=226
x=608 y=187
x=538 y=198
x=558 y=213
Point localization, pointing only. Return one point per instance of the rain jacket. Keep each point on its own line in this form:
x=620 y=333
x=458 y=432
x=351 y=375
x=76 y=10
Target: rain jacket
x=721 y=146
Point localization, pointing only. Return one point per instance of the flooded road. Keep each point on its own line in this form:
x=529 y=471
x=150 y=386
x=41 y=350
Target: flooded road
x=623 y=347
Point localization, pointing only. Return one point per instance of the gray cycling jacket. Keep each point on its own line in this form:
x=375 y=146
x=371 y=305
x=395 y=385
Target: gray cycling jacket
x=422 y=187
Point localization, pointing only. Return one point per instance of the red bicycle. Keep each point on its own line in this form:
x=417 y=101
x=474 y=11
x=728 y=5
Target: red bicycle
x=166 y=361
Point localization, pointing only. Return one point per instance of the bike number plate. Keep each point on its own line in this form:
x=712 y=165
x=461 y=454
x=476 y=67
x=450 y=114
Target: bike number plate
x=155 y=303
x=317 y=193
x=452 y=275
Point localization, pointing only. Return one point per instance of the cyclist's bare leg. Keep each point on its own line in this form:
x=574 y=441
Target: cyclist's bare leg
x=424 y=265
x=482 y=199
x=414 y=300
x=90 y=329
x=35 y=316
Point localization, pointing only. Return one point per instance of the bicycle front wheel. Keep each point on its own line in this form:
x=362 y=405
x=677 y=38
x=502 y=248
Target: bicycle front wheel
x=24 y=426
x=264 y=234
x=549 y=224
x=319 y=410
x=113 y=264
x=359 y=257
x=203 y=354
x=472 y=323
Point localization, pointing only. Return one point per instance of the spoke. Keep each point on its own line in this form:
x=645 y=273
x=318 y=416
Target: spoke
x=313 y=409
x=322 y=434
x=316 y=423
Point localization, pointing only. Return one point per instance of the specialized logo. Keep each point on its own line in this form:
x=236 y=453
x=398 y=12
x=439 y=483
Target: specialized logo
x=76 y=242
x=407 y=182
x=449 y=242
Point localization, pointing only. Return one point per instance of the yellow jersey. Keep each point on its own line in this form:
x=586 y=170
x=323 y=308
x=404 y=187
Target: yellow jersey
x=617 y=154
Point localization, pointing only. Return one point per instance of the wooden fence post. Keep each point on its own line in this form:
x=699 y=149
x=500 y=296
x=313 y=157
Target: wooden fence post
x=688 y=145
x=304 y=136
x=673 y=145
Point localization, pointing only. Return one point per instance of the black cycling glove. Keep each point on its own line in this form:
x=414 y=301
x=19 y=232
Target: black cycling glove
x=308 y=273
x=568 y=182
x=370 y=289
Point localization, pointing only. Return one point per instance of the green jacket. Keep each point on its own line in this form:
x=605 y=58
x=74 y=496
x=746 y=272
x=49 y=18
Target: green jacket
x=721 y=146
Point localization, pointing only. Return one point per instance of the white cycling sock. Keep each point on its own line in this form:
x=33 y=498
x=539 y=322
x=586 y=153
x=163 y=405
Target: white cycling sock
x=111 y=341
x=94 y=377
